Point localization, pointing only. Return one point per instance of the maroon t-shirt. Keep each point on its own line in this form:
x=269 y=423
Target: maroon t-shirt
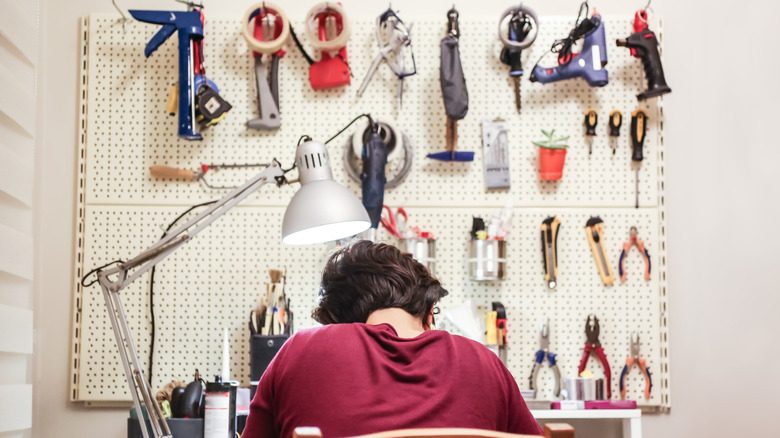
x=356 y=379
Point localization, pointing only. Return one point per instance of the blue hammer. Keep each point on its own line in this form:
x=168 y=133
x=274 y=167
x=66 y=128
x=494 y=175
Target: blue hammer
x=190 y=28
x=588 y=64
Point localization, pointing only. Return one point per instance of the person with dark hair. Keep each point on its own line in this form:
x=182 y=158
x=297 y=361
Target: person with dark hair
x=377 y=365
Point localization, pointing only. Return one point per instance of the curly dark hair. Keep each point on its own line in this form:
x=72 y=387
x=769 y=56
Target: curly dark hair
x=365 y=276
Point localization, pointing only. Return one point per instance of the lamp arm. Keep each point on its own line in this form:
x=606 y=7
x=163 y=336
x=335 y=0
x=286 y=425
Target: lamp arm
x=139 y=387
x=168 y=244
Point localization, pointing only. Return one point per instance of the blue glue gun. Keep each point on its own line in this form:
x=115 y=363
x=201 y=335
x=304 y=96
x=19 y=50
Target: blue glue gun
x=589 y=64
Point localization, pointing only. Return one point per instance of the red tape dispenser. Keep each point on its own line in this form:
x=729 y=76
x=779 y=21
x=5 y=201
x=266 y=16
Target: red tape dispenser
x=328 y=31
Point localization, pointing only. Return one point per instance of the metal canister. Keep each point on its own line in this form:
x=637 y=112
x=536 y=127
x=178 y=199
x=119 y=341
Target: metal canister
x=487 y=259
x=583 y=388
x=423 y=250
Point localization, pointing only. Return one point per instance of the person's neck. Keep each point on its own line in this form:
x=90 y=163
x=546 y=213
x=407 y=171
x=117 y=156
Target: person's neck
x=405 y=324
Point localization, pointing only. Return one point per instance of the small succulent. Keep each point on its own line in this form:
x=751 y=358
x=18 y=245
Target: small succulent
x=550 y=142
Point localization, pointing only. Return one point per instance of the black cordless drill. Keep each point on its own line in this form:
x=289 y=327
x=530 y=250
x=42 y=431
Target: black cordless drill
x=644 y=45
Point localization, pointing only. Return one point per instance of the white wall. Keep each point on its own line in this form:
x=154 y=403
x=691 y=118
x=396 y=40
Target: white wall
x=722 y=185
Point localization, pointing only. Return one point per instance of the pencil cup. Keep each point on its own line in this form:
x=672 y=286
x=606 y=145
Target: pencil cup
x=487 y=260
x=423 y=250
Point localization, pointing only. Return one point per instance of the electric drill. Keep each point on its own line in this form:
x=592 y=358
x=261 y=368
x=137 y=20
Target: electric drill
x=644 y=45
x=373 y=178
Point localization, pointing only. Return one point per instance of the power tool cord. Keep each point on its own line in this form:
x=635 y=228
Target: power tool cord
x=300 y=47
x=563 y=46
x=151 y=289
x=308 y=58
x=374 y=126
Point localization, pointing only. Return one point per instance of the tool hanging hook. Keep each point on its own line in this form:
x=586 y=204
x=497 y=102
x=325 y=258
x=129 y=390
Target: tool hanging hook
x=124 y=17
x=586 y=6
x=191 y=5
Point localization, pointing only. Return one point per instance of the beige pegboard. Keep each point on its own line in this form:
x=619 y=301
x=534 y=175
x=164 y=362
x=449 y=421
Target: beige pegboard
x=214 y=281
x=621 y=308
x=130 y=130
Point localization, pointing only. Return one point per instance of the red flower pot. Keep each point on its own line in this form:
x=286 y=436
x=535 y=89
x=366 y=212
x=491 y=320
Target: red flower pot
x=551 y=163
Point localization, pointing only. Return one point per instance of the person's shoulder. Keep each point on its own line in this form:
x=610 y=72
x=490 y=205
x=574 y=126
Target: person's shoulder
x=323 y=333
x=470 y=348
x=466 y=342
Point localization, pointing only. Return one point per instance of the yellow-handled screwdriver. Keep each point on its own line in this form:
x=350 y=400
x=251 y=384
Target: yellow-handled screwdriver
x=638 y=131
x=615 y=120
x=591 y=120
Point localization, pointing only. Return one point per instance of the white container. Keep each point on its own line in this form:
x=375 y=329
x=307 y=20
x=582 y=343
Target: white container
x=487 y=260
x=423 y=250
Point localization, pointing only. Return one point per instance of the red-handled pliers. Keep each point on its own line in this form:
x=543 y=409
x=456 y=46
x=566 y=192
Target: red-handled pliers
x=593 y=345
x=641 y=363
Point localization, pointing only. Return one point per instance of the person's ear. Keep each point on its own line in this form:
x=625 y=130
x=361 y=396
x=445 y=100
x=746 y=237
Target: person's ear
x=430 y=321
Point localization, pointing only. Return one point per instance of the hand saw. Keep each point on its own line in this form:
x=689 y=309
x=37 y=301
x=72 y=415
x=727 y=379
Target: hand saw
x=594 y=229
x=550 y=228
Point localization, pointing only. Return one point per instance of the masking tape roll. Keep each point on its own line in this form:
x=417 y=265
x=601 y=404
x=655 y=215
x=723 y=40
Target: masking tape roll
x=530 y=38
x=265 y=47
x=312 y=31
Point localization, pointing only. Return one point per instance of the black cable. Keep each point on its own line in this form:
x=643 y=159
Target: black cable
x=151 y=289
x=95 y=271
x=300 y=140
x=563 y=46
x=300 y=47
x=374 y=126
x=309 y=59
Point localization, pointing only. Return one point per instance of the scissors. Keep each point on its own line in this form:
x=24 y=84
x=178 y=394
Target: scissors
x=395 y=223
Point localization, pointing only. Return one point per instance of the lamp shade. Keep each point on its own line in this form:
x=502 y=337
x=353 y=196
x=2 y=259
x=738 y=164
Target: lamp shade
x=322 y=209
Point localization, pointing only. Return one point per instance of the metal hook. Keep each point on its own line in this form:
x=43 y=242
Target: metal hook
x=191 y=4
x=124 y=17
x=544 y=327
x=648 y=4
x=584 y=5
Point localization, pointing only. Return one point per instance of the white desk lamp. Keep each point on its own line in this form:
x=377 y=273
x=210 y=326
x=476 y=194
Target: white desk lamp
x=322 y=210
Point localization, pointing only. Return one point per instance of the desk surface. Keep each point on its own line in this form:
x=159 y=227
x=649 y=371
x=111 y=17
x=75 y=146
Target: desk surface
x=545 y=414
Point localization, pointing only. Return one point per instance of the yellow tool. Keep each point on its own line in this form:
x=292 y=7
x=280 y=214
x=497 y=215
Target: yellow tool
x=173 y=100
x=594 y=229
x=638 y=131
x=591 y=119
x=615 y=120
x=491 y=334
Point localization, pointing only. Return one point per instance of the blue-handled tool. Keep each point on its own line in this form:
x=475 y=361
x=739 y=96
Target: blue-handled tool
x=190 y=28
x=373 y=179
x=195 y=90
x=589 y=64
x=541 y=354
x=632 y=360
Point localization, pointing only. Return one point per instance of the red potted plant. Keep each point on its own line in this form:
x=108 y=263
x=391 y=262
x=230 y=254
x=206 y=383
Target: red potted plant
x=552 y=156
